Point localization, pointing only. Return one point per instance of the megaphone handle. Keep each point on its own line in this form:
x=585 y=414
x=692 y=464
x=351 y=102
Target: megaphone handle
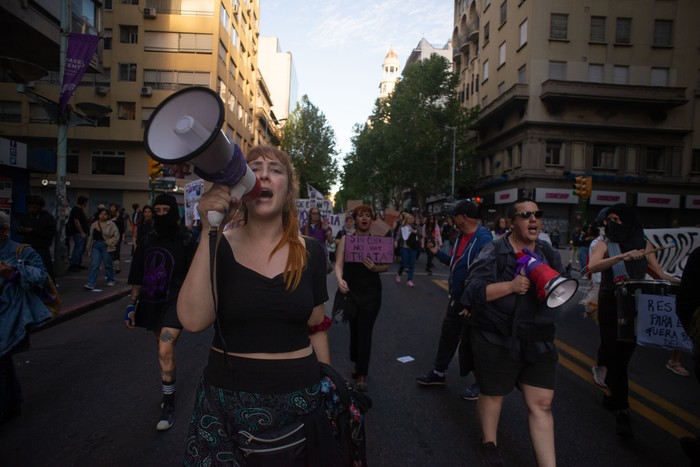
x=215 y=218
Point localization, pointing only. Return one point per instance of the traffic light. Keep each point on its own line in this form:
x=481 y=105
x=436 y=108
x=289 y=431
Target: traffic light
x=477 y=200
x=155 y=169
x=583 y=187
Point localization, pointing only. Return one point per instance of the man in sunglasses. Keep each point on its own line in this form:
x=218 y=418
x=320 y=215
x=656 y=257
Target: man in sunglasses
x=512 y=334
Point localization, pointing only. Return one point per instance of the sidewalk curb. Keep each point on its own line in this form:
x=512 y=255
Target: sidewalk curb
x=74 y=310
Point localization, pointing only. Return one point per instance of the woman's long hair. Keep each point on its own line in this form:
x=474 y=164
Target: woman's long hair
x=297 y=258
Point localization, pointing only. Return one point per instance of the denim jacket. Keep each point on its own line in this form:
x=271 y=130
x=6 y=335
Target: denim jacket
x=20 y=309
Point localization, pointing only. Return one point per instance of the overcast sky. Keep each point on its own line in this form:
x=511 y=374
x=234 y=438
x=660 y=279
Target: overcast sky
x=338 y=48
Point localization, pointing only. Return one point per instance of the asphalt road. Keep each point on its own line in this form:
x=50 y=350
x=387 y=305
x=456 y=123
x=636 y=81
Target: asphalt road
x=92 y=395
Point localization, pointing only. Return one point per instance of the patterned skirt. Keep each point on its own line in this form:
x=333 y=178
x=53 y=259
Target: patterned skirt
x=220 y=413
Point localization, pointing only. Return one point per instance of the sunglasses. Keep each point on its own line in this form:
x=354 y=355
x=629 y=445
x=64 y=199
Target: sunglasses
x=527 y=214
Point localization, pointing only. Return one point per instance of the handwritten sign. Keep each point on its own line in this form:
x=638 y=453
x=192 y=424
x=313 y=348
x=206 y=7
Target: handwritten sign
x=658 y=325
x=379 y=249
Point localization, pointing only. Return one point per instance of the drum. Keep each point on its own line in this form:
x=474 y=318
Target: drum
x=627 y=293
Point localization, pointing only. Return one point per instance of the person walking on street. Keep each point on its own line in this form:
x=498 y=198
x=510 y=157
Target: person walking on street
x=77 y=228
x=471 y=238
x=136 y=217
x=117 y=216
x=20 y=311
x=157 y=272
x=102 y=241
x=512 y=334
x=406 y=240
x=38 y=228
x=362 y=286
x=271 y=331
x=145 y=226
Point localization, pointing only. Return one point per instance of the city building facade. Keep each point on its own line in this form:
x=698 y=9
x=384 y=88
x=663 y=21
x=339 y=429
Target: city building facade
x=602 y=89
x=148 y=51
x=390 y=74
x=278 y=68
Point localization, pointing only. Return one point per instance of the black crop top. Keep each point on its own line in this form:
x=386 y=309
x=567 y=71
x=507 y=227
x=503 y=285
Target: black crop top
x=258 y=314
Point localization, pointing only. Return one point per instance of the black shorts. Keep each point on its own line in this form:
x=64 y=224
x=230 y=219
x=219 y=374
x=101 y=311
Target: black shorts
x=498 y=373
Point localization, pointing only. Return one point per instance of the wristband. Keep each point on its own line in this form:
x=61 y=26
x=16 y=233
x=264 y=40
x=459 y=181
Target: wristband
x=324 y=325
x=130 y=312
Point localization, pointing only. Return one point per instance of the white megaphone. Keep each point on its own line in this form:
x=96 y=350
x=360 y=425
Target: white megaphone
x=552 y=288
x=186 y=126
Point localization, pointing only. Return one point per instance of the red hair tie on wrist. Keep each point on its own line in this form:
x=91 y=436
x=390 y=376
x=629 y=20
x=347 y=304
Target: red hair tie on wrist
x=324 y=325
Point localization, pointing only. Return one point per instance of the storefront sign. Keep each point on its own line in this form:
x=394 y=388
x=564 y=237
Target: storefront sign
x=692 y=202
x=658 y=200
x=13 y=153
x=506 y=196
x=608 y=198
x=555 y=195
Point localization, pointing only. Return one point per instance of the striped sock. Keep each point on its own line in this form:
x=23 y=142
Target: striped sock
x=169 y=392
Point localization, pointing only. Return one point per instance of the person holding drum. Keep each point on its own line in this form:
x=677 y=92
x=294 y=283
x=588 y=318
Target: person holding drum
x=619 y=258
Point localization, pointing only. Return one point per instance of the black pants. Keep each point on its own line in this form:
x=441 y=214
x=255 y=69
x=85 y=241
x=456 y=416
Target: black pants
x=614 y=353
x=361 y=327
x=45 y=254
x=450 y=335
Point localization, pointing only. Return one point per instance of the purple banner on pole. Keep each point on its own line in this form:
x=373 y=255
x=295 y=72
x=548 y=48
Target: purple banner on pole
x=379 y=249
x=81 y=48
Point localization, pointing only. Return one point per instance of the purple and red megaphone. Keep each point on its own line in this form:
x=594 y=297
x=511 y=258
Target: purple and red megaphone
x=552 y=288
x=187 y=127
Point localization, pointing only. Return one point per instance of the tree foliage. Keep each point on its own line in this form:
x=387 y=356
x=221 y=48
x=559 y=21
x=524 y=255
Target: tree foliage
x=408 y=141
x=310 y=142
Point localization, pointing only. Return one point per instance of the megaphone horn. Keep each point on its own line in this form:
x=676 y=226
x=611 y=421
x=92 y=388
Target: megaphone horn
x=186 y=126
x=552 y=288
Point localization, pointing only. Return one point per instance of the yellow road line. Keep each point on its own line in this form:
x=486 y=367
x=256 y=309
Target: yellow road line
x=441 y=283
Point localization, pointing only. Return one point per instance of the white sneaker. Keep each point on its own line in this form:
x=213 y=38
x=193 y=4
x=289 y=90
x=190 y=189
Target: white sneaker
x=110 y=284
x=599 y=373
x=167 y=418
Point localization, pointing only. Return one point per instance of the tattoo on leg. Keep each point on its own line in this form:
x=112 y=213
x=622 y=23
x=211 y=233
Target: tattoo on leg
x=167 y=336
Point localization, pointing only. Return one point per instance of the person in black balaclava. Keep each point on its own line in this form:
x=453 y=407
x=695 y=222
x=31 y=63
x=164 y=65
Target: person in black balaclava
x=620 y=256
x=157 y=272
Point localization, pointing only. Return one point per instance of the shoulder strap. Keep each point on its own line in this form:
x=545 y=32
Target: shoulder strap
x=20 y=249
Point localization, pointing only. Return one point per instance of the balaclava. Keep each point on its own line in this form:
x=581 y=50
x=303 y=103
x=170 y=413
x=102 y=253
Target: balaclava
x=166 y=225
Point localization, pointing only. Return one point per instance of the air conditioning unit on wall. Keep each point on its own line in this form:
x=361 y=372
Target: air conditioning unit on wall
x=101 y=90
x=149 y=12
x=146 y=90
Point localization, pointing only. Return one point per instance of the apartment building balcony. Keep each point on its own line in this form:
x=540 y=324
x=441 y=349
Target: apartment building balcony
x=473 y=30
x=650 y=97
x=513 y=99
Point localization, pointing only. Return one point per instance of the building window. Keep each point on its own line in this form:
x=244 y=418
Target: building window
x=504 y=11
x=502 y=54
x=663 y=33
x=487 y=3
x=486 y=33
x=695 y=161
x=127 y=72
x=655 y=160
x=107 y=38
x=522 y=76
x=485 y=101
x=107 y=162
x=128 y=34
x=557 y=70
x=162 y=41
x=597 y=29
x=485 y=73
x=10 y=112
x=234 y=39
x=623 y=30
x=72 y=159
x=170 y=80
x=603 y=157
x=595 y=73
x=126 y=110
x=38 y=114
x=224 y=17
x=553 y=153
x=501 y=88
x=222 y=52
x=659 y=77
x=523 y=33
x=558 y=26
x=621 y=74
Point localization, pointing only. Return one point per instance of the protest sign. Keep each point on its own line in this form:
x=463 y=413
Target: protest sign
x=658 y=325
x=685 y=239
x=379 y=249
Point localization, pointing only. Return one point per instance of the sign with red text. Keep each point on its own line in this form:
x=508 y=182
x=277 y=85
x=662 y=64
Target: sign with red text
x=658 y=200
x=379 y=249
x=692 y=201
x=505 y=196
x=555 y=195
x=658 y=325
x=608 y=198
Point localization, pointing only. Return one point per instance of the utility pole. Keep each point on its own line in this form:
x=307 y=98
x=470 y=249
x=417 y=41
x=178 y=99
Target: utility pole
x=60 y=256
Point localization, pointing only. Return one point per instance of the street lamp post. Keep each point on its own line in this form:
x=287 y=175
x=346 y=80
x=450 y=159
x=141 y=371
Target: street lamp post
x=454 y=146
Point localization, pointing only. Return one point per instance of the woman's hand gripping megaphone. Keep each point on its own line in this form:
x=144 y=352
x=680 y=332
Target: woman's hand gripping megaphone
x=218 y=205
